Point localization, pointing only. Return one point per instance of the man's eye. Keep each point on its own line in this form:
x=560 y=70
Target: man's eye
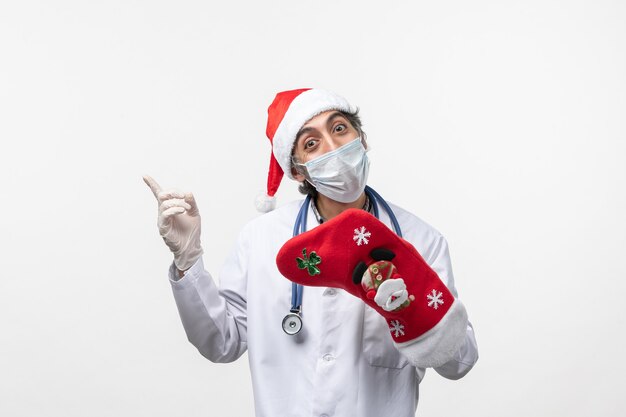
x=340 y=127
x=309 y=144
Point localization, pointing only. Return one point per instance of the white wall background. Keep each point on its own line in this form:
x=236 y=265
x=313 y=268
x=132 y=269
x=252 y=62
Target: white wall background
x=500 y=123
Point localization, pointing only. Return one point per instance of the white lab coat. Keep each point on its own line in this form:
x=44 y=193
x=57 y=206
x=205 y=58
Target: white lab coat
x=342 y=363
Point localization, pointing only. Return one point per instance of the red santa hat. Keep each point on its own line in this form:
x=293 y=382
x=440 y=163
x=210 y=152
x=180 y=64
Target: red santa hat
x=289 y=111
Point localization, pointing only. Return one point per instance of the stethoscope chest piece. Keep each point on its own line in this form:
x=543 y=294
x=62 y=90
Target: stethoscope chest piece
x=292 y=323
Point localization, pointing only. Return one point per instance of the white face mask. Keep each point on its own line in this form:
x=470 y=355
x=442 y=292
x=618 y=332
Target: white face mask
x=340 y=174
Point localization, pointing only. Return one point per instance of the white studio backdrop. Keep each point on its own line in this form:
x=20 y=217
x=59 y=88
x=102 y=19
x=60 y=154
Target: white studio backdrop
x=500 y=123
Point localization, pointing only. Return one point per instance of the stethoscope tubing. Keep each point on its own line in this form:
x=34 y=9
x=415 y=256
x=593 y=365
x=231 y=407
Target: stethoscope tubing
x=376 y=198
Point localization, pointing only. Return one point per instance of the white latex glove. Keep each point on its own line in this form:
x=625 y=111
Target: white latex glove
x=179 y=224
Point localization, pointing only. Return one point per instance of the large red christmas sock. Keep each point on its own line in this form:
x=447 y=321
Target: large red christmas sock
x=357 y=252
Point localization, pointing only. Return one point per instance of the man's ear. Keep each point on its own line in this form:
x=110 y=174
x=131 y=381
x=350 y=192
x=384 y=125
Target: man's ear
x=298 y=177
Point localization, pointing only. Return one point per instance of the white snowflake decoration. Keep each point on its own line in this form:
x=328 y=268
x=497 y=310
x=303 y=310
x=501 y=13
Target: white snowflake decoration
x=435 y=299
x=396 y=328
x=361 y=236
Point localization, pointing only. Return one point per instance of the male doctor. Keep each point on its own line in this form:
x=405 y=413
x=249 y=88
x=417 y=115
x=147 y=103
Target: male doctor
x=343 y=361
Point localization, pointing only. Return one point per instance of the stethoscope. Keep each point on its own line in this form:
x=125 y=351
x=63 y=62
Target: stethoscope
x=292 y=323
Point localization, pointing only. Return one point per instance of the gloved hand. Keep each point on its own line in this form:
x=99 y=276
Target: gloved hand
x=357 y=252
x=179 y=224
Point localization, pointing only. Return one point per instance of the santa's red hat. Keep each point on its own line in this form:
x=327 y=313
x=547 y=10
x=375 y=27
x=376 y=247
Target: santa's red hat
x=289 y=111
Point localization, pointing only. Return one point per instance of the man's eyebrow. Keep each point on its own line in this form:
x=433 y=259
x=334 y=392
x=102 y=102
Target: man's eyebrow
x=302 y=131
x=333 y=116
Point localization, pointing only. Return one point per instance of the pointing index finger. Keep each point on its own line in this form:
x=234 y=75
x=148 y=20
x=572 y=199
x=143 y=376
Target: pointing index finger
x=154 y=186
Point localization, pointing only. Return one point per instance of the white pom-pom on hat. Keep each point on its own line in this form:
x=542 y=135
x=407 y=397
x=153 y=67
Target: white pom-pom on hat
x=265 y=203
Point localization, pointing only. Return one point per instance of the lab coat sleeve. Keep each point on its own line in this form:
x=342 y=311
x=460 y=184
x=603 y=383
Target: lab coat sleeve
x=467 y=355
x=215 y=319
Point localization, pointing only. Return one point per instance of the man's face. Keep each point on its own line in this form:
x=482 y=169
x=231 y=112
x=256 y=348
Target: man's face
x=323 y=133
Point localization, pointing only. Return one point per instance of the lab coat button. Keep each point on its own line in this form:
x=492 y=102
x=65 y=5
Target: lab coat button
x=328 y=357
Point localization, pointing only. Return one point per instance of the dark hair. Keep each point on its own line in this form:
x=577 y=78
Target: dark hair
x=305 y=187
